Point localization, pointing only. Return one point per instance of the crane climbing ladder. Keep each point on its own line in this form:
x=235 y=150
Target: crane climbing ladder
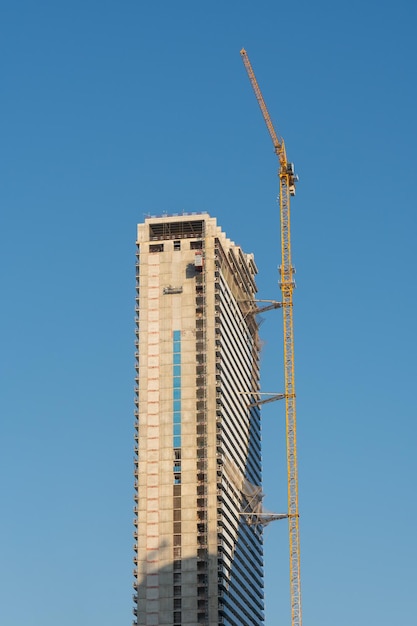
x=287 y=184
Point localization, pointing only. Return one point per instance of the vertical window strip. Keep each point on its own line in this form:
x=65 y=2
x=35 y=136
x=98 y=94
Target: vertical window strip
x=176 y=390
x=176 y=436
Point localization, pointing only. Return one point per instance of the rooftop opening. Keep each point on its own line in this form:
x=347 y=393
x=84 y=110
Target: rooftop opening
x=176 y=230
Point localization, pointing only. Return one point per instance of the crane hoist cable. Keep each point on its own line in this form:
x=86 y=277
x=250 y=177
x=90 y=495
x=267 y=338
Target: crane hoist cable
x=287 y=183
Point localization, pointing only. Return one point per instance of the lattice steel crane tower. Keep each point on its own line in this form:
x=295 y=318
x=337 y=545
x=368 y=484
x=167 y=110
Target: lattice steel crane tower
x=287 y=183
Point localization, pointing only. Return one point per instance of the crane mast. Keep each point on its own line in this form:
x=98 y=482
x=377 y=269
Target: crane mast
x=287 y=182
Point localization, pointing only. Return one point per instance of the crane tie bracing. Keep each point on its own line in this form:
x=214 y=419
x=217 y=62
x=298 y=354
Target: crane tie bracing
x=287 y=182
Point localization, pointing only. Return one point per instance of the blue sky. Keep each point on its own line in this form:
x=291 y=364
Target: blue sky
x=112 y=111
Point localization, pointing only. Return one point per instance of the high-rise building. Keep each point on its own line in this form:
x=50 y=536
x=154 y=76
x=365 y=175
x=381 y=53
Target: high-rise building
x=199 y=548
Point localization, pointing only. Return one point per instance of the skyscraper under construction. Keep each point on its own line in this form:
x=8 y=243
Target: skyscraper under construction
x=198 y=531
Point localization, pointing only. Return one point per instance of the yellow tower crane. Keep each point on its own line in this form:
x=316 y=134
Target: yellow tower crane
x=287 y=183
